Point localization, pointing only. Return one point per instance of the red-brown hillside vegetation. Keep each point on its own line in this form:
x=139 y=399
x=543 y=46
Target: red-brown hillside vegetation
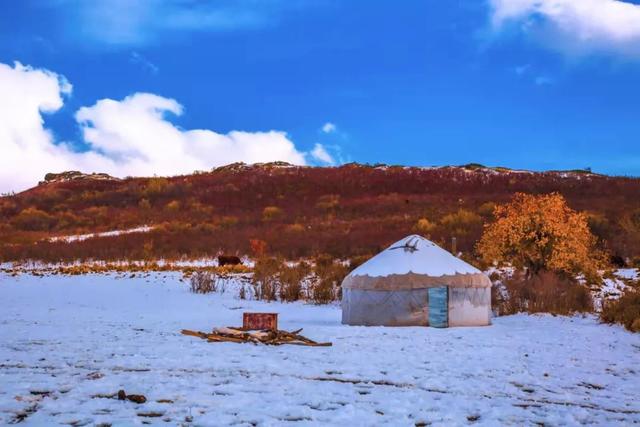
x=298 y=211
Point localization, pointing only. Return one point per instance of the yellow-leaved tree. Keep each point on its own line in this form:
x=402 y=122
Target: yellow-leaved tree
x=541 y=233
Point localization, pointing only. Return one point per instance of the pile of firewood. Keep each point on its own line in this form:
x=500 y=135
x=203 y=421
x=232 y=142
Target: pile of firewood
x=265 y=336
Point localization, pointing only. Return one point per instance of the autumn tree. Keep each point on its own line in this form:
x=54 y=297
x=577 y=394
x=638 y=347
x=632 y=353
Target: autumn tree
x=539 y=233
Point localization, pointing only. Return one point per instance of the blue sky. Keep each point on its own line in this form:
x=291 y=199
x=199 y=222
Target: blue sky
x=547 y=84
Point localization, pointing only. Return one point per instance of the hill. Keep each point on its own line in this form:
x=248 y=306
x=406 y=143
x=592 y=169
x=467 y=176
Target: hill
x=344 y=211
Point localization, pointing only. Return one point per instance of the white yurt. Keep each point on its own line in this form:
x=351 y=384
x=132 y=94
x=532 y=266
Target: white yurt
x=414 y=282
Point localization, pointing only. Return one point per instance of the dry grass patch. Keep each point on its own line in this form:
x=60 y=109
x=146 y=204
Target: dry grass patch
x=625 y=310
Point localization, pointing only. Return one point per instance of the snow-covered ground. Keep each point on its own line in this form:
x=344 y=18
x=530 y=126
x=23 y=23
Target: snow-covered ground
x=613 y=287
x=66 y=341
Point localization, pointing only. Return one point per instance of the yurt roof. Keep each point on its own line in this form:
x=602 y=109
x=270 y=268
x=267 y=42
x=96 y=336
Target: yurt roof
x=415 y=262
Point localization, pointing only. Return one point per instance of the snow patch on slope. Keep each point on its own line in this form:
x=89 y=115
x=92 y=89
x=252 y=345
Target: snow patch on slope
x=81 y=237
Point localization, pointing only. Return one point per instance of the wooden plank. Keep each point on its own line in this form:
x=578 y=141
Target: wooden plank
x=269 y=337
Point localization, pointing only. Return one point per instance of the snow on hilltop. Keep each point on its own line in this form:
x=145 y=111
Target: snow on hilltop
x=67 y=343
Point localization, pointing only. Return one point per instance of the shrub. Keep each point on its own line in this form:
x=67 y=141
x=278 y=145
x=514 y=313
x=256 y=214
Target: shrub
x=227 y=222
x=144 y=204
x=599 y=224
x=295 y=228
x=625 y=310
x=266 y=278
x=96 y=215
x=271 y=213
x=33 y=219
x=202 y=282
x=357 y=261
x=545 y=292
x=424 y=226
x=205 y=228
x=486 y=209
x=630 y=222
x=328 y=278
x=8 y=208
x=68 y=220
x=461 y=222
x=328 y=202
x=172 y=206
x=258 y=247
x=322 y=291
x=157 y=186
x=291 y=279
x=147 y=250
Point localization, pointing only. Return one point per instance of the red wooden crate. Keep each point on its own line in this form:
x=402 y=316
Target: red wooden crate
x=260 y=321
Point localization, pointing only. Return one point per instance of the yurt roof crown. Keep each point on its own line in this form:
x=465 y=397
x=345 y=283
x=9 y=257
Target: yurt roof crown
x=414 y=254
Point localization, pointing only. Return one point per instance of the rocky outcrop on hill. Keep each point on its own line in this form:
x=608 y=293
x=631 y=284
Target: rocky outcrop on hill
x=241 y=166
x=76 y=175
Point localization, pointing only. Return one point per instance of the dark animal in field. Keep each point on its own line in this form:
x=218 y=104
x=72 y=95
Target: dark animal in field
x=228 y=260
x=617 y=261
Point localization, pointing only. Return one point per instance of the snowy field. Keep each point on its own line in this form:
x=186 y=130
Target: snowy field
x=68 y=342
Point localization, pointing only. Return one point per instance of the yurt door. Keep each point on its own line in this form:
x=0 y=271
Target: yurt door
x=439 y=307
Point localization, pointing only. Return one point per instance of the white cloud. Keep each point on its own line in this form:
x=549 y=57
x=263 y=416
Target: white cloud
x=321 y=154
x=141 y=22
x=128 y=137
x=575 y=26
x=329 y=127
x=26 y=147
x=137 y=136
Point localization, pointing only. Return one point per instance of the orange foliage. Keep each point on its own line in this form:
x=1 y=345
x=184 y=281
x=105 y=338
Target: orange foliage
x=539 y=233
x=258 y=247
x=425 y=227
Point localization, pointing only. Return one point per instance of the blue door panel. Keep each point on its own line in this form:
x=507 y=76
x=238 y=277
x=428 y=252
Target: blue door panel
x=439 y=307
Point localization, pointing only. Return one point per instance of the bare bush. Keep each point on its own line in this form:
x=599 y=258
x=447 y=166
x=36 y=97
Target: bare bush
x=202 y=282
x=328 y=275
x=358 y=260
x=273 y=279
x=625 y=310
x=291 y=279
x=265 y=279
x=545 y=292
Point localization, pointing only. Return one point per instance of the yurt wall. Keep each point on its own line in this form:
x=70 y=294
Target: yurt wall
x=388 y=308
x=469 y=306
